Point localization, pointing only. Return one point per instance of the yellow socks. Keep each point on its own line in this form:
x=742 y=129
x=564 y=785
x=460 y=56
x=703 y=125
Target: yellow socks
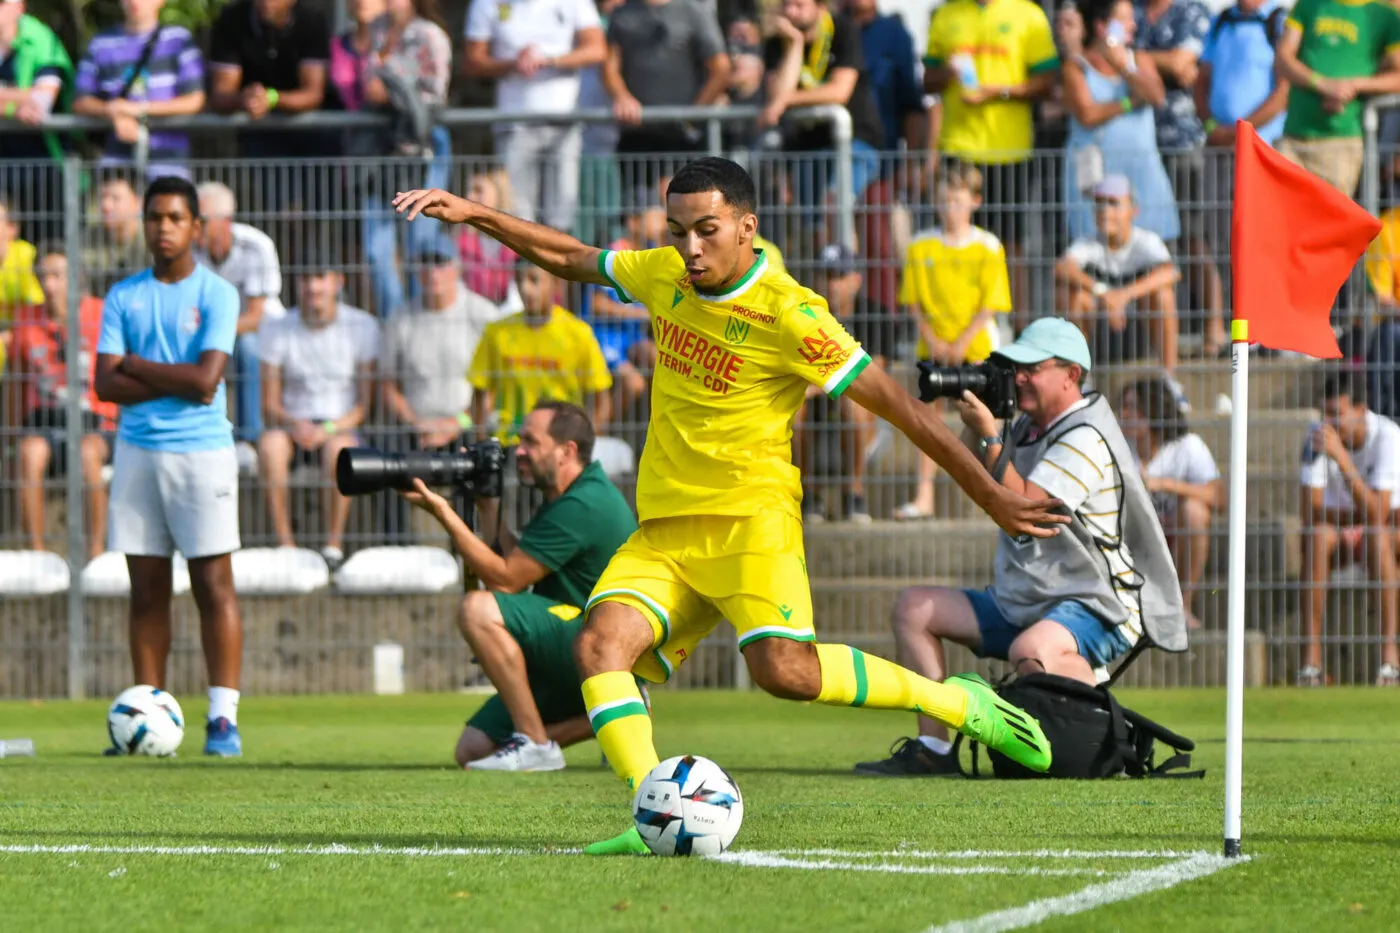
x=851 y=677
x=622 y=724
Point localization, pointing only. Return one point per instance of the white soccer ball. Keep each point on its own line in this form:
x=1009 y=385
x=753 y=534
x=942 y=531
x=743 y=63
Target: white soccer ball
x=688 y=805
x=145 y=721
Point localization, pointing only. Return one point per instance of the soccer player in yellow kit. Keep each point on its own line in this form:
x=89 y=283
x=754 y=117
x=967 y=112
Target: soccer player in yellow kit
x=717 y=494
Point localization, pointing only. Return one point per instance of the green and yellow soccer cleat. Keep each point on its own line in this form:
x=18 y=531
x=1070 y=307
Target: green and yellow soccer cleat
x=1001 y=726
x=629 y=843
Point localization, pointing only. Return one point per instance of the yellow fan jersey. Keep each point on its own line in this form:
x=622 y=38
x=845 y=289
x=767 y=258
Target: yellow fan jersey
x=950 y=283
x=521 y=365
x=731 y=372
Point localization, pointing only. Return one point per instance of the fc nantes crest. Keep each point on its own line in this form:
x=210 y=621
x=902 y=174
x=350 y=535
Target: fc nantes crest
x=736 y=331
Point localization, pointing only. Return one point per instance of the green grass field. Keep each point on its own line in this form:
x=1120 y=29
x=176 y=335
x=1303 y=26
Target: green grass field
x=285 y=839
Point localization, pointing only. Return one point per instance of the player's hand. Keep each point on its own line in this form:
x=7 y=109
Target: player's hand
x=627 y=109
x=425 y=499
x=1326 y=439
x=126 y=128
x=434 y=203
x=1115 y=304
x=1222 y=135
x=529 y=62
x=771 y=115
x=255 y=101
x=30 y=113
x=976 y=415
x=1020 y=517
x=788 y=30
x=977 y=96
x=307 y=436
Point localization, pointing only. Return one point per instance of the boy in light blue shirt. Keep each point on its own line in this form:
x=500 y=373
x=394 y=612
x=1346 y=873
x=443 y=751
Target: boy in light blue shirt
x=167 y=334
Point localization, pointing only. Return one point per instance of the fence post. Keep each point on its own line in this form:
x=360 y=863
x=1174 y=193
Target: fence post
x=77 y=379
x=842 y=132
x=1371 y=159
x=714 y=136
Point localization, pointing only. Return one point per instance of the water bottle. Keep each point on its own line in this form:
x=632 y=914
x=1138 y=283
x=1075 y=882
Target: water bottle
x=16 y=748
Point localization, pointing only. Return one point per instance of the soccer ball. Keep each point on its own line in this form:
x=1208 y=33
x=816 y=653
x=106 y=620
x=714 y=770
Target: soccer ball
x=145 y=721
x=688 y=806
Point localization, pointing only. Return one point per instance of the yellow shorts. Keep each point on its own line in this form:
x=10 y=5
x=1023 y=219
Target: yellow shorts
x=685 y=574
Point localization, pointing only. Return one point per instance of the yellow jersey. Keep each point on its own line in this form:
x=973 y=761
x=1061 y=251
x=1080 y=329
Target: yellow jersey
x=522 y=365
x=951 y=283
x=1383 y=257
x=1008 y=41
x=731 y=372
x=18 y=287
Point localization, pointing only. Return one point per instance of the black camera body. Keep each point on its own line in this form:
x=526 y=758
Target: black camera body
x=993 y=381
x=475 y=471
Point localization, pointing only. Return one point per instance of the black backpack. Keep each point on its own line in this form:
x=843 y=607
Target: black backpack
x=1091 y=734
x=1272 y=23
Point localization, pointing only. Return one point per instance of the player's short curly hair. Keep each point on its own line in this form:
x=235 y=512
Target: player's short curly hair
x=712 y=173
x=172 y=184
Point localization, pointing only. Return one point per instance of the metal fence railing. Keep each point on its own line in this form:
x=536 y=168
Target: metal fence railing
x=857 y=473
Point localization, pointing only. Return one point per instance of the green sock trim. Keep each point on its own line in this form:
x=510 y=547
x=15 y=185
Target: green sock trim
x=862 y=683
x=601 y=717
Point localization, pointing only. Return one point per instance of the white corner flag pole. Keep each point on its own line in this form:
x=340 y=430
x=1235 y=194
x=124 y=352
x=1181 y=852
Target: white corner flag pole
x=1234 y=676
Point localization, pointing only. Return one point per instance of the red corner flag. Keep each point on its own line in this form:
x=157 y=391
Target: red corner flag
x=1296 y=239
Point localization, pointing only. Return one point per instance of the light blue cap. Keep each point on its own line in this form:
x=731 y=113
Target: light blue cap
x=1046 y=338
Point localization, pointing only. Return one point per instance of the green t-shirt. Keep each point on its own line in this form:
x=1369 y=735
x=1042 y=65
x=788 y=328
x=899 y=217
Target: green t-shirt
x=577 y=534
x=1340 y=40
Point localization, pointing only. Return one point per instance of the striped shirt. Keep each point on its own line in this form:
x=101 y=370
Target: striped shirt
x=253 y=268
x=1078 y=468
x=175 y=68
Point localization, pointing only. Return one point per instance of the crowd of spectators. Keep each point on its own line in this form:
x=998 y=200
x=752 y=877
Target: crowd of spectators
x=1084 y=146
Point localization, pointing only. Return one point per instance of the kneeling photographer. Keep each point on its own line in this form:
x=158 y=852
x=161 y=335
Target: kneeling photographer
x=1063 y=605
x=522 y=640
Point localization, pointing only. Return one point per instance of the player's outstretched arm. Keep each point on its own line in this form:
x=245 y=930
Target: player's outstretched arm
x=876 y=392
x=554 y=251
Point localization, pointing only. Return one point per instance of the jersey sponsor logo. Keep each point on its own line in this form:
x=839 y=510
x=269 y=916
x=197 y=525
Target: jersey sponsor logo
x=535 y=363
x=786 y=613
x=752 y=315
x=681 y=350
x=807 y=310
x=678 y=298
x=190 y=324
x=1333 y=29
x=736 y=332
x=818 y=347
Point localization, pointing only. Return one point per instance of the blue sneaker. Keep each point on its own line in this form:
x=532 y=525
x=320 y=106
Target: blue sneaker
x=221 y=738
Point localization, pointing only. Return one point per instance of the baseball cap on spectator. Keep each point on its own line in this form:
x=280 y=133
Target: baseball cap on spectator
x=1049 y=338
x=1113 y=187
x=440 y=252
x=837 y=259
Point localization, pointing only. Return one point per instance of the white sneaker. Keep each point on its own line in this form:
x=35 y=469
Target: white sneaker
x=521 y=754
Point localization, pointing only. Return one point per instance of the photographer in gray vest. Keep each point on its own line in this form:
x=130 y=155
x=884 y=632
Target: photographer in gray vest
x=1066 y=605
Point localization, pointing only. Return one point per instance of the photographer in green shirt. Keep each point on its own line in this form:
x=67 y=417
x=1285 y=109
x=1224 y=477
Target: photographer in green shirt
x=522 y=625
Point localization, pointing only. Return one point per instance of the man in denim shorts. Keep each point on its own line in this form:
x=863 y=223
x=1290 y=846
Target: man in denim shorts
x=1068 y=605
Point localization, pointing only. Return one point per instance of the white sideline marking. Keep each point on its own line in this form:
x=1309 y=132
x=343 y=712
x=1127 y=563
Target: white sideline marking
x=777 y=858
x=409 y=851
x=774 y=860
x=1135 y=884
x=1067 y=854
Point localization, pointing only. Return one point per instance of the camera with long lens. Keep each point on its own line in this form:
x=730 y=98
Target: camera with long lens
x=992 y=381
x=474 y=471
